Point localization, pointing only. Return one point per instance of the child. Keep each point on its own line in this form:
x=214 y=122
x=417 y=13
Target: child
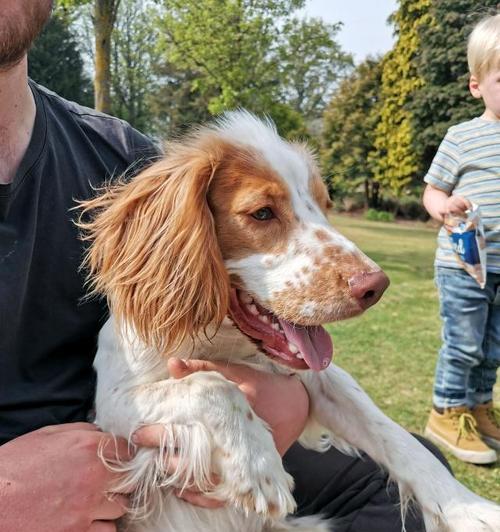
x=466 y=169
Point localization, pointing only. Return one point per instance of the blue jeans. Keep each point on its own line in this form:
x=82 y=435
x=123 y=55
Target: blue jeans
x=470 y=354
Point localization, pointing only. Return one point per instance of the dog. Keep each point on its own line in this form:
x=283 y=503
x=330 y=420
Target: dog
x=222 y=250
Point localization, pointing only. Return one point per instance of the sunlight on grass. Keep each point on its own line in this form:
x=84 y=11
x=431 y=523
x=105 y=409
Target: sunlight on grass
x=392 y=349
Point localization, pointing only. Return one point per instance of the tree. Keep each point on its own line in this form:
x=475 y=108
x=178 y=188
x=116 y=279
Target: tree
x=246 y=53
x=311 y=63
x=444 y=98
x=134 y=58
x=103 y=18
x=349 y=125
x=54 y=61
x=175 y=102
x=228 y=44
x=394 y=160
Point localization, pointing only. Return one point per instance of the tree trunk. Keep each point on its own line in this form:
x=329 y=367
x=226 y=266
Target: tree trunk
x=104 y=19
x=372 y=193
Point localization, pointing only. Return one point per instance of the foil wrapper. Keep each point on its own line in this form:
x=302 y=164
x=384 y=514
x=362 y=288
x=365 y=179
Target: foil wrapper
x=467 y=239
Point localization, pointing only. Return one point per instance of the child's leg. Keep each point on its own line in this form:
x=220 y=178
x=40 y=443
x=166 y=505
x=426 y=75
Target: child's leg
x=464 y=313
x=483 y=377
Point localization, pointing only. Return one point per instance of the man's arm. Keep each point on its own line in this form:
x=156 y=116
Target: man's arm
x=53 y=480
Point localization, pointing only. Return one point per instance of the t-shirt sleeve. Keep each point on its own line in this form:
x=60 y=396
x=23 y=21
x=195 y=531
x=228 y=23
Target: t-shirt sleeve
x=142 y=149
x=444 y=170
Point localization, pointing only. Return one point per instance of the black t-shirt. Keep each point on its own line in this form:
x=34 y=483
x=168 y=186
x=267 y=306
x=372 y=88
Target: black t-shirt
x=47 y=332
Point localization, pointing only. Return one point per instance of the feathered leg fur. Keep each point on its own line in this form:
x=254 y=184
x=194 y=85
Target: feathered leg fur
x=346 y=411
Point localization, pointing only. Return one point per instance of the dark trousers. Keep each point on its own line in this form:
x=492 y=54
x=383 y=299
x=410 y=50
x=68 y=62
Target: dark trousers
x=353 y=492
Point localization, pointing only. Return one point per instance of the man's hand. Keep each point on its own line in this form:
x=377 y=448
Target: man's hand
x=53 y=480
x=280 y=400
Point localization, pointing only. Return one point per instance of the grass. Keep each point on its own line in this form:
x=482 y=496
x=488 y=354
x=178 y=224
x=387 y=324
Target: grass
x=391 y=350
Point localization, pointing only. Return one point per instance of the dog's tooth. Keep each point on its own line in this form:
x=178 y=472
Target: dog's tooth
x=252 y=309
x=265 y=319
x=299 y=355
x=293 y=348
x=246 y=298
x=276 y=326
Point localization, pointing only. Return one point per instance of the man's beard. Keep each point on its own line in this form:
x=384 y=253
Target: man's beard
x=19 y=27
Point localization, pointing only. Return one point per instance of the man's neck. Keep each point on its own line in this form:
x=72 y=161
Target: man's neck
x=17 y=117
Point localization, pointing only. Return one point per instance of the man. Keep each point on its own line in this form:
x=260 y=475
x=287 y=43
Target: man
x=51 y=479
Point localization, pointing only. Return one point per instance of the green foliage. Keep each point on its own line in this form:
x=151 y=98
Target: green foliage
x=178 y=62
x=55 y=62
x=311 y=63
x=248 y=53
x=70 y=4
x=349 y=123
x=174 y=103
x=379 y=216
x=409 y=207
x=394 y=161
x=444 y=98
x=227 y=44
x=134 y=58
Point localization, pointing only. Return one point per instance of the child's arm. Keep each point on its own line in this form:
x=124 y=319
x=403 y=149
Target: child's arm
x=439 y=203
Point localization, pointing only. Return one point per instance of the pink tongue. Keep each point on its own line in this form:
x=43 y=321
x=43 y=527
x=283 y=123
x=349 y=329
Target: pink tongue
x=313 y=342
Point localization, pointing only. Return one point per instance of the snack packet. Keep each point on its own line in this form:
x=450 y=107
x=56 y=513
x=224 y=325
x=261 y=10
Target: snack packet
x=467 y=240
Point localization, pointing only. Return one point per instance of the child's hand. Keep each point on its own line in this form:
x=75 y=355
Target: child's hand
x=456 y=206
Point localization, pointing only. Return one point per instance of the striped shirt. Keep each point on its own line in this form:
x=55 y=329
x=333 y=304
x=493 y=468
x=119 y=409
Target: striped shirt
x=467 y=164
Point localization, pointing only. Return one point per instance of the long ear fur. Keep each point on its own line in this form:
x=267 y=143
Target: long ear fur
x=154 y=252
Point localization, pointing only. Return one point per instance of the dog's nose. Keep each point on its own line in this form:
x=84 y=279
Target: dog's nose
x=367 y=288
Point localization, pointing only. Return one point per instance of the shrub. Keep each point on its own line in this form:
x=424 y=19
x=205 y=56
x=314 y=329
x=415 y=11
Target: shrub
x=379 y=216
x=411 y=208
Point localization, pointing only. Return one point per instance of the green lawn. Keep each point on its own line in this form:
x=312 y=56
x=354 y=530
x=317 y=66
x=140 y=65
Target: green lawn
x=392 y=349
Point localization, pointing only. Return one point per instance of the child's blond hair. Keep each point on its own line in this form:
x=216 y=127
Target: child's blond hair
x=483 y=50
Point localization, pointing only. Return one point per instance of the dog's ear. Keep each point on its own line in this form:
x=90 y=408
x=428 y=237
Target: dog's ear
x=153 y=249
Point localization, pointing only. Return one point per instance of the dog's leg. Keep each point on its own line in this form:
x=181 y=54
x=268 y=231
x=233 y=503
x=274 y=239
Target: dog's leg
x=210 y=429
x=344 y=409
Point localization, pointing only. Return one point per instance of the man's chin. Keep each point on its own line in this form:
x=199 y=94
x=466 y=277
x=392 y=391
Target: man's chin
x=8 y=62
x=20 y=24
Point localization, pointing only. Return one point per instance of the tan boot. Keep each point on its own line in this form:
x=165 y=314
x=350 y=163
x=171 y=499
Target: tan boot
x=488 y=423
x=455 y=430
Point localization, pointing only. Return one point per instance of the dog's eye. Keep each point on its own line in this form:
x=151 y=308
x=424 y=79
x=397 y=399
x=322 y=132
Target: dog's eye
x=263 y=214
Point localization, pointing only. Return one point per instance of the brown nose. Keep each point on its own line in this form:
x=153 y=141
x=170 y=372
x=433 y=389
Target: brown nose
x=368 y=288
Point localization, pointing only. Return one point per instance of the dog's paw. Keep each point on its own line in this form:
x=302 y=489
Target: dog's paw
x=258 y=485
x=269 y=496
x=474 y=515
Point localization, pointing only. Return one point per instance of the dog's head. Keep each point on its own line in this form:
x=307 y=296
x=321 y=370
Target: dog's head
x=232 y=221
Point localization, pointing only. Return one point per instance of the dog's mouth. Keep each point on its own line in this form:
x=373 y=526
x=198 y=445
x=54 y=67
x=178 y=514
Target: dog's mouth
x=296 y=346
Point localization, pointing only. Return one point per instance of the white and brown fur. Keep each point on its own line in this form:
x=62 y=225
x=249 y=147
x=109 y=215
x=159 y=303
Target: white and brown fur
x=166 y=249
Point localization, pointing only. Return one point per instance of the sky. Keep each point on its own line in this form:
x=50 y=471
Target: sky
x=365 y=31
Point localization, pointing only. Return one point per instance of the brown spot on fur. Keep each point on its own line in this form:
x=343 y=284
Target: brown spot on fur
x=249 y=416
x=327 y=289
x=247 y=500
x=322 y=235
x=332 y=252
x=221 y=453
x=273 y=509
